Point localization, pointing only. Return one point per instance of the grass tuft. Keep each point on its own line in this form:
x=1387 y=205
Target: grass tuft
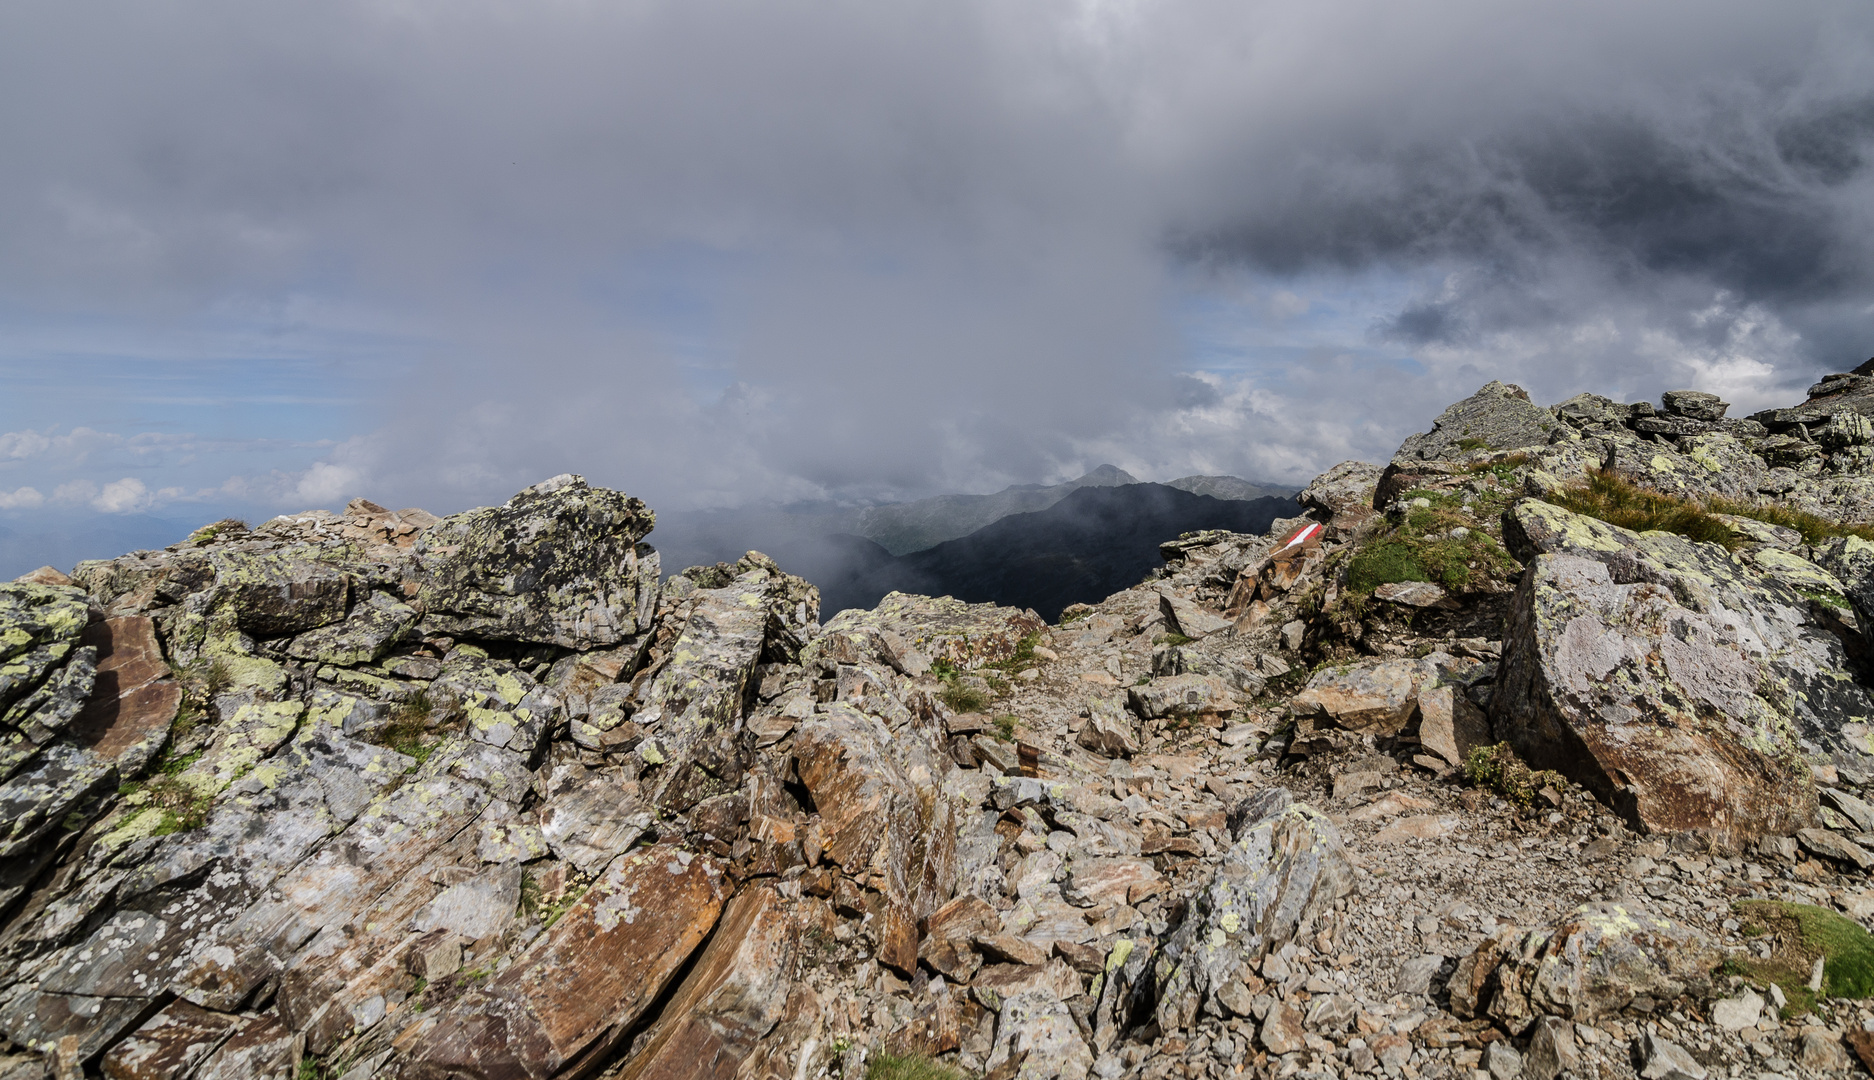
x=885 y=1066
x=1617 y=500
x=408 y=731
x=1799 y=933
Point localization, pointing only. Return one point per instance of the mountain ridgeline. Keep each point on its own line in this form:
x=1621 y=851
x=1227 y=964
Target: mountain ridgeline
x=1082 y=548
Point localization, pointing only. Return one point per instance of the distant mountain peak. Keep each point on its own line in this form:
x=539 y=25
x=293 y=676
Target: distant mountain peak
x=1105 y=476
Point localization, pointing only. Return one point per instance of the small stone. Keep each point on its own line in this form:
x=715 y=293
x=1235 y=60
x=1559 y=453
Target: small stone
x=1415 y=975
x=1737 y=1013
x=1282 y=1031
x=1551 y=1050
x=1815 y=974
x=1502 y=1061
x=1663 y=1059
x=1391 y=1050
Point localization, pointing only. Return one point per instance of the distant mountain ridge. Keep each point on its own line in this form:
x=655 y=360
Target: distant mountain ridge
x=902 y=528
x=1093 y=542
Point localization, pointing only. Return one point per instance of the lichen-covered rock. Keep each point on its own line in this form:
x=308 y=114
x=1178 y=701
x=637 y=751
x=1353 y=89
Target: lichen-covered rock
x=1685 y=691
x=1592 y=964
x=375 y=624
x=559 y=563
x=1499 y=416
x=1182 y=695
x=933 y=628
x=39 y=627
x=1343 y=496
x=1285 y=869
x=275 y=593
x=1036 y=1034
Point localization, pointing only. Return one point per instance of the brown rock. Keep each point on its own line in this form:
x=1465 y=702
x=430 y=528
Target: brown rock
x=1010 y=949
x=1416 y=827
x=1449 y=725
x=45 y=575
x=127 y=716
x=570 y=998
x=1376 y=696
x=999 y=982
x=1282 y=1031
x=171 y=1043
x=732 y=997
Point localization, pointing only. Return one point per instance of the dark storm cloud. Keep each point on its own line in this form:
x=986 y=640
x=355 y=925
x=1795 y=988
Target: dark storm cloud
x=720 y=251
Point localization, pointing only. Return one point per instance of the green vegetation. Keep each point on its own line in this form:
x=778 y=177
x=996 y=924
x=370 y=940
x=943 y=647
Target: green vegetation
x=183 y=806
x=535 y=904
x=1022 y=659
x=1472 y=444
x=207 y=533
x=1171 y=639
x=1799 y=933
x=409 y=727
x=1498 y=768
x=1814 y=527
x=1005 y=726
x=1503 y=471
x=1825 y=597
x=1619 y=501
x=884 y=1066
x=1456 y=562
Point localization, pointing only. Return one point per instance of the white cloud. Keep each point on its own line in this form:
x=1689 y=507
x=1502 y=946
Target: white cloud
x=126 y=496
x=25 y=498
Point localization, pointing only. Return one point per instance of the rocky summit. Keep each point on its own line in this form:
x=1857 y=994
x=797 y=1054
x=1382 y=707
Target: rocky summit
x=1542 y=750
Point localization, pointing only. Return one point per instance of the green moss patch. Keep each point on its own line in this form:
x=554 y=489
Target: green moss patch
x=1498 y=768
x=1799 y=933
x=1424 y=548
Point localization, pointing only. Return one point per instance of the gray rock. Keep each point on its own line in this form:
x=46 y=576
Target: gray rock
x=1285 y=869
x=1449 y=725
x=1415 y=975
x=372 y=628
x=480 y=907
x=1593 y=682
x=559 y=563
x=1860 y=813
x=1662 y=1059
x=1036 y=1029
x=1343 y=495
x=1497 y=417
x=1739 y=1012
x=1502 y=1061
x=1693 y=404
x=39 y=627
x=1182 y=695
x=1592 y=963
x=1552 y=1050
x=1108 y=729
x=1830 y=846
x=1185 y=617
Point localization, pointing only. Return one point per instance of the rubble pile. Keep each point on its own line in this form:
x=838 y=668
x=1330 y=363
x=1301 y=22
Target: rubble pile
x=1438 y=778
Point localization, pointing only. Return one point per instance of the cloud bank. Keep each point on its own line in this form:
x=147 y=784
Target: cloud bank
x=721 y=252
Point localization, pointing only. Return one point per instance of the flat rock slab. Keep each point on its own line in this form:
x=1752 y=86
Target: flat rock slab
x=133 y=701
x=578 y=990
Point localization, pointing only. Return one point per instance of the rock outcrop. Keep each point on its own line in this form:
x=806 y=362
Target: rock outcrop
x=1435 y=777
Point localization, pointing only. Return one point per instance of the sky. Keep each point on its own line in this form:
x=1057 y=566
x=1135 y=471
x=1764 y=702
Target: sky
x=259 y=257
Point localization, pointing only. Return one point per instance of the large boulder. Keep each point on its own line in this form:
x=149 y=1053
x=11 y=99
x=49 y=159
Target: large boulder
x=882 y=822
x=559 y=563
x=1684 y=690
x=1499 y=416
x=1595 y=962
x=1284 y=869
